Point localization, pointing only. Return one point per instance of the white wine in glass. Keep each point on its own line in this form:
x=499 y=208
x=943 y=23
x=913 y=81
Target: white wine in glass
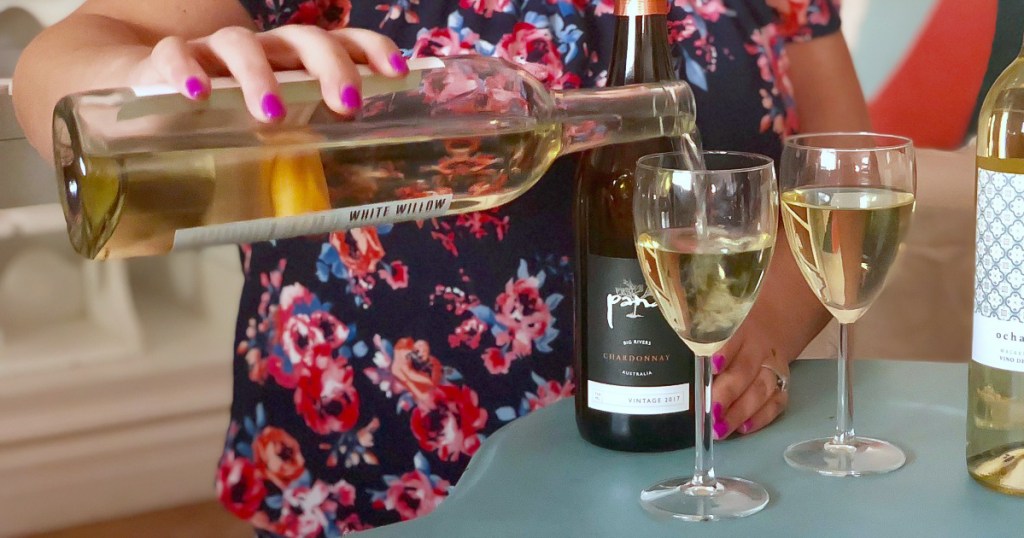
x=847 y=203
x=704 y=239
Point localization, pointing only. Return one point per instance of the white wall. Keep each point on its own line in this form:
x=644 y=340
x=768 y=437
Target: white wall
x=115 y=377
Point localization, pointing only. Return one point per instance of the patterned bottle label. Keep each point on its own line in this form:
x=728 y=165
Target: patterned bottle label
x=998 y=335
x=637 y=364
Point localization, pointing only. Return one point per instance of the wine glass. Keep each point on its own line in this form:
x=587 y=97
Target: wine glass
x=704 y=239
x=847 y=201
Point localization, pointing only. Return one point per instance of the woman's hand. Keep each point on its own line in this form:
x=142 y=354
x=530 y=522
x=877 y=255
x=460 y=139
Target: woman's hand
x=746 y=395
x=787 y=316
x=251 y=58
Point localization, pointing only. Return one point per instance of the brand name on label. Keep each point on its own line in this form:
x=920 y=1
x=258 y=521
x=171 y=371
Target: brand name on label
x=313 y=223
x=1011 y=336
x=398 y=210
x=629 y=296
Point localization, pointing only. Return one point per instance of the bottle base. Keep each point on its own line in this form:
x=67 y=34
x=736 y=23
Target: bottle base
x=622 y=433
x=1000 y=469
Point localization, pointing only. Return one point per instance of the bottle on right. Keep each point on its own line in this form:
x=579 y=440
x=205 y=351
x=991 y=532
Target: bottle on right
x=995 y=414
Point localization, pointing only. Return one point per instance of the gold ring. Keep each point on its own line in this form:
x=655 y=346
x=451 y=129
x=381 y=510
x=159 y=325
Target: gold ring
x=781 y=381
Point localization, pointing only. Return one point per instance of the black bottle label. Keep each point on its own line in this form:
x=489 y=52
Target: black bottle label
x=636 y=363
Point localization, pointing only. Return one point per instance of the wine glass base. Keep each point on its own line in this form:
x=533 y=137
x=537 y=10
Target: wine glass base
x=861 y=456
x=680 y=499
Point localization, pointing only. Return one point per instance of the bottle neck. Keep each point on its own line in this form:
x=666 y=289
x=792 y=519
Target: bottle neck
x=640 y=51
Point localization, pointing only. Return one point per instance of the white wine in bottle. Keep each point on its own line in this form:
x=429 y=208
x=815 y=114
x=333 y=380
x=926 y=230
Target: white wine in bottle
x=143 y=171
x=995 y=414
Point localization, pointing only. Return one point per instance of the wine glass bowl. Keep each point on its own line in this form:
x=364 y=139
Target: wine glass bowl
x=704 y=238
x=847 y=203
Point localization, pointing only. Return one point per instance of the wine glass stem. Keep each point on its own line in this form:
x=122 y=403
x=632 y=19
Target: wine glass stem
x=844 y=412
x=704 y=464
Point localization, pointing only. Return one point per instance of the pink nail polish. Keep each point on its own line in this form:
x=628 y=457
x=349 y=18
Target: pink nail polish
x=716 y=412
x=398 y=63
x=194 y=87
x=746 y=427
x=350 y=98
x=717 y=362
x=273 y=108
x=720 y=429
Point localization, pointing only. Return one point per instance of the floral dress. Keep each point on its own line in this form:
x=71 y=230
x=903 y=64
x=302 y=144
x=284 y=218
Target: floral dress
x=371 y=364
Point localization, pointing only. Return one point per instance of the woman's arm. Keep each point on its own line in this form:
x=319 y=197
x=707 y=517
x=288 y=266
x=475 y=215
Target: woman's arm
x=102 y=44
x=828 y=98
x=787 y=315
x=112 y=43
x=825 y=86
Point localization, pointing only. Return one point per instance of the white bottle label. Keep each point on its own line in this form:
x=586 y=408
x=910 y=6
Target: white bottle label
x=638 y=400
x=314 y=223
x=998 y=335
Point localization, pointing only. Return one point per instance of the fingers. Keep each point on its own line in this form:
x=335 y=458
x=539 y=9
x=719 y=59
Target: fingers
x=251 y=58
x=173 y=61
x=768 y=412
x=373 y=49
x=756 y=407
x=735 y=371
x=742 y=388
x=244 y=57
x=327 y=59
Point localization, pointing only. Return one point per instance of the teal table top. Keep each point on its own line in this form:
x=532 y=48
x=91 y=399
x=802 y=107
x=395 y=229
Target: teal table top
x=537 y=477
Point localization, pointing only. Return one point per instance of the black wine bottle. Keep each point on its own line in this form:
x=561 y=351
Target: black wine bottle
x=634 y=374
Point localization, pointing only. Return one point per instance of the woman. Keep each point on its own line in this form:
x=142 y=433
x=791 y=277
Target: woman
x=371 y=364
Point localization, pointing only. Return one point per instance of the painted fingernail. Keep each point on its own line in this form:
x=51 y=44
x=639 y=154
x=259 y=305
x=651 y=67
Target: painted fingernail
x=273 y=108
x=717 y=362
x=350 y=98
x=720 y=429
x=716 y=412
x=399 y=64
x=746 y=427
x=194 y=87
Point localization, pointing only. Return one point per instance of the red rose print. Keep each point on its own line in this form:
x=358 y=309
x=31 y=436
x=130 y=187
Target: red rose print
x=326 y=397
x=299 y=337
x=413 y=495
x=360 y=250
x=440 y=42
x=709 y=10
x=533 y=48
x=523 y=313
x=549 y=393
x=327 y=14
x=278 y=456
x=766 y=44
x=304 y=507
x=485 y=7
x=448 y=423
x=397 y=277
x=469 y=333
x=240 y=486
x=792 y=15
x=415 y=367
x=496 y=361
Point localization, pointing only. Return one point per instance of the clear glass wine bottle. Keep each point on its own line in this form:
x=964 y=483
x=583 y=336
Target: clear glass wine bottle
x=145 y=170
